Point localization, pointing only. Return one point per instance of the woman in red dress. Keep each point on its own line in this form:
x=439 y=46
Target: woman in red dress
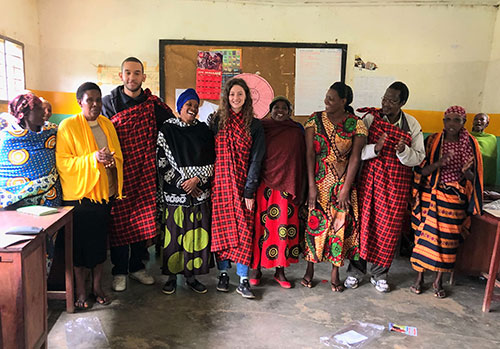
x=276 y=239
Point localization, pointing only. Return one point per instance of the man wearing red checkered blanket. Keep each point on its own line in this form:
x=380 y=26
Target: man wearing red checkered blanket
x=137 y=116
x=395 y=145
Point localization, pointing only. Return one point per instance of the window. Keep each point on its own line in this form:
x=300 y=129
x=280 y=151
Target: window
x=11 y=68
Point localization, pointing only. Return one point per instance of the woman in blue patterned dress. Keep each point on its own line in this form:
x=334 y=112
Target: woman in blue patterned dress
x=28 y=173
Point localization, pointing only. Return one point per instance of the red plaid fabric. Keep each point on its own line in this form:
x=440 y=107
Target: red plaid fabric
x=384 y=192
x=133 y=218
x=232 y=223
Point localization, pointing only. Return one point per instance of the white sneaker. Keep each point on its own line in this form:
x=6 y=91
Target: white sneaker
x=119 y=283
x=142 y=277
x=380 y=285
x=351 y=282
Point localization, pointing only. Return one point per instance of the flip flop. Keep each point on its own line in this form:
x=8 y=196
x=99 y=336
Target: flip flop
x=103 y=300
x=439 y=292
x=417 y=289
x=337 y=287
x=306 y=283
x=82 y=304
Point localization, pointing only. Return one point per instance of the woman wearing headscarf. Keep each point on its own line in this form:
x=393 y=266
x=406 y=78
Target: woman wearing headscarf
x=334 y=139
x=28 y=173
x=90 y=162
x=186 y=157
x=447 y=190
x=276 y=238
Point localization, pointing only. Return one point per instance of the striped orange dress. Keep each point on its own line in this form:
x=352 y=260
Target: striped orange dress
x=444 y=202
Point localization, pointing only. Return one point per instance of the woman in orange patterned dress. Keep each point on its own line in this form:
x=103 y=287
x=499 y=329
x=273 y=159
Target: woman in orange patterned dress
x=334 y=139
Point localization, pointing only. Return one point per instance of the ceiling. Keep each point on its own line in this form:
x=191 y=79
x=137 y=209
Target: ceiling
x=372 y=2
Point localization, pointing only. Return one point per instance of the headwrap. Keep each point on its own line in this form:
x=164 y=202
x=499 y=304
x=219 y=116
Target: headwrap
x=280 y=98
x=23 y=103
x=185 y=96
x=456 y=109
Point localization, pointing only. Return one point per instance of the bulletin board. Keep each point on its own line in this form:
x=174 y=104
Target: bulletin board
x=274 y=61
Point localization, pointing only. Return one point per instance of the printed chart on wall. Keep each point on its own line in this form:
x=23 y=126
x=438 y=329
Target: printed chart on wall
x=315 y=71
x=209 y=74
x=231 y=63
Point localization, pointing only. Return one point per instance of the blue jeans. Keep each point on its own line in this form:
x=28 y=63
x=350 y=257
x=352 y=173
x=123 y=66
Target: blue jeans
x=241 y=269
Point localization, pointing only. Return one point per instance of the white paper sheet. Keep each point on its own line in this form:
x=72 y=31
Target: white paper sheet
x=369 y=90
x=205 y=110
x=10 y=239
x=350 y=337
x=178 y=92
x=315 y=71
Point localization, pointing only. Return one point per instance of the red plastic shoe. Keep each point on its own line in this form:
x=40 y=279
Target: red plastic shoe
x=284 y=284
x=254 y=282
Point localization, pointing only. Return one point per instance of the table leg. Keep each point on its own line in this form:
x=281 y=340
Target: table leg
x=492 y=273
x=68 y=256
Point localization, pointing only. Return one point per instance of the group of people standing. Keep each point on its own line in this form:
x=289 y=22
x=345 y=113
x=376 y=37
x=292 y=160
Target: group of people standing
x=258 y=193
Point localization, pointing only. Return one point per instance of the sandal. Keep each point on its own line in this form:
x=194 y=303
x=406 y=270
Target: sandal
x=306 y=283
x=417 y=289
x=439 y=292
x=82 y=304
x=283 y=283
x=255 y=281
x=337 y=287
x=102 y=300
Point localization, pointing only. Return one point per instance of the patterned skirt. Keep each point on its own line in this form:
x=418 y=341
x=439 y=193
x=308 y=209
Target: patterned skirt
x=439 y=222
x=332 y=234
x=276 y=240
x=187 y=240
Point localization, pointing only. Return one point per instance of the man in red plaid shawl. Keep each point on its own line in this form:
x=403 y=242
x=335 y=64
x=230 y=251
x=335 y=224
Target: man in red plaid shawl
x=136 y=115
x=395 y=145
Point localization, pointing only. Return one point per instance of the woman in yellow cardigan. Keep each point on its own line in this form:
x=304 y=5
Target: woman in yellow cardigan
x=90 y=165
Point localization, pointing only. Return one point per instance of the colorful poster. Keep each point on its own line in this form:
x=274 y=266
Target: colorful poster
x=231 y=63
x=209 y=75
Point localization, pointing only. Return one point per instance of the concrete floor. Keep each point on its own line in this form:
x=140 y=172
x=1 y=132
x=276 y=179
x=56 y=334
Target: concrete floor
x=143 y=317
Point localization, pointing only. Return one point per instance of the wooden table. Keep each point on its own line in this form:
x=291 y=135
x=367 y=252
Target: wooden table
x=480 y=254
x=23 y=276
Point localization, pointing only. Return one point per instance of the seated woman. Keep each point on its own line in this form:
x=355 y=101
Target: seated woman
x=90 y=163
x=276 y=238
x=28 y=173
x=447 y=190
x=186 y=156
x=488 y=146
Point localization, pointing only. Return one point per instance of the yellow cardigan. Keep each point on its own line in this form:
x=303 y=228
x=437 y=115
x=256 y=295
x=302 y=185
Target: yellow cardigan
x=81 y=175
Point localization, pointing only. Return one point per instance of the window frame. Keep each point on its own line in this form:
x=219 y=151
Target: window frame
x=6 y=38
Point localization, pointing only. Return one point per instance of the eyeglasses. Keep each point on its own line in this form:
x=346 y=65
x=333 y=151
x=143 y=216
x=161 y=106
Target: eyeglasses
x=390 y=101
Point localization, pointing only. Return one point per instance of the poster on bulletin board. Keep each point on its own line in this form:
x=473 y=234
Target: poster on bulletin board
x=231 y=63
x=209 y=74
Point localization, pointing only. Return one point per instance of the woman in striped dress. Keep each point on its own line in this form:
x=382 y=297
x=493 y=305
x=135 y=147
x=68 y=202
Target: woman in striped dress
x=447 y=191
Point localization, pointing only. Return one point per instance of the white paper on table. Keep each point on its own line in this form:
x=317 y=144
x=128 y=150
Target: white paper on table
x=350 y=337
x=315 y=71
x=369 y=90
x=205 y=110
x=11 y=239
